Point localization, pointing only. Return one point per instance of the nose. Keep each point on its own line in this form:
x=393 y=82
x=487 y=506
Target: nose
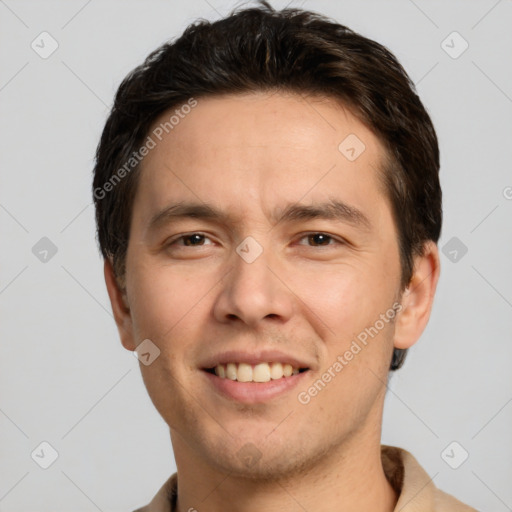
x=254 y=292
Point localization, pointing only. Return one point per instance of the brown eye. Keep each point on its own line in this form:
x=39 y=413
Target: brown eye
x=190 y=240
x=320 y=240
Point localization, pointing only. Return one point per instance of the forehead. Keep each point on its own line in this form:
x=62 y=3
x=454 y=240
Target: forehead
x=254 y=149
x=262 y=120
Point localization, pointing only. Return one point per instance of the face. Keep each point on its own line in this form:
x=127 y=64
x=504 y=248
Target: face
x=283 y=250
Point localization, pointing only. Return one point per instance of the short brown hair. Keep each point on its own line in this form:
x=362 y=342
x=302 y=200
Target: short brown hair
x=261 y=49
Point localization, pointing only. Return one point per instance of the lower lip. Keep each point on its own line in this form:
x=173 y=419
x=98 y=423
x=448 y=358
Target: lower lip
x=254 y=392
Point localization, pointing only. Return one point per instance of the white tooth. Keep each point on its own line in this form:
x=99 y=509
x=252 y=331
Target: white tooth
x=244 y=373
x=261 y=372
x=276 y=370
x=287 y=370
x=231 y=371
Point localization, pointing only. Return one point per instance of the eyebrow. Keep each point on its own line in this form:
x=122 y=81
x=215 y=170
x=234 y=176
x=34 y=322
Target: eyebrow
x=331 y=210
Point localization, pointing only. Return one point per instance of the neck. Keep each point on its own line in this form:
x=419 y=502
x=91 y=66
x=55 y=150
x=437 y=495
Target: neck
x=347 y=479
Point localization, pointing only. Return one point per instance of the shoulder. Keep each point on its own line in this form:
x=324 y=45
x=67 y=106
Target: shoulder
x=416 y=489
x=164 y=500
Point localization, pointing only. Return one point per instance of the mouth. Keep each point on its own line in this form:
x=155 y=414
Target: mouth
x=261 y=372
x=254 y=383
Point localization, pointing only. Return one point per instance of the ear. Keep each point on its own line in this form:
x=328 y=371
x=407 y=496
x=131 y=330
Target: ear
x=120 y=307
x=417 y=299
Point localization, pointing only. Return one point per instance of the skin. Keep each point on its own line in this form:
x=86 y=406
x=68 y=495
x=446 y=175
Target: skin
x=251 y=155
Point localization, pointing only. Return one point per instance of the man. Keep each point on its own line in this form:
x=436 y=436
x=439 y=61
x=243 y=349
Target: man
x=268 y=207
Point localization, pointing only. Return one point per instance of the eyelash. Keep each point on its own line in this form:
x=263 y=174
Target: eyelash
x=313 y=233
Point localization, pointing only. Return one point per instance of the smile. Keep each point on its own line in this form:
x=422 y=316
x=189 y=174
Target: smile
x=253 y=384
x=261 y=372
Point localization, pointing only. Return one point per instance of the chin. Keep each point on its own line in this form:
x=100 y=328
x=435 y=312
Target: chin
x=255 y=460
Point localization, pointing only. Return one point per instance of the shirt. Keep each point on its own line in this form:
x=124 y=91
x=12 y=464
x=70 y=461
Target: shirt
x=417 y=492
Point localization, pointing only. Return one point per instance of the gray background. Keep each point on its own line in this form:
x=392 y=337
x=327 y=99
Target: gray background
x=64 y=376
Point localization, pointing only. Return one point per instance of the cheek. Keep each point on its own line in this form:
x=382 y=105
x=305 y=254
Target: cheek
x=341 y=296
x=160 y=298
x=346 y=304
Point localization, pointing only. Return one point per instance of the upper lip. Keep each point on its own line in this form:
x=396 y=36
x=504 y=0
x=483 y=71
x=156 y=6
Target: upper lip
x=255 y=357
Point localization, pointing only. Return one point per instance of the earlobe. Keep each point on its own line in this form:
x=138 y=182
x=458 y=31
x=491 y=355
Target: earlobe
x=120 y=306
x=418 y=298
